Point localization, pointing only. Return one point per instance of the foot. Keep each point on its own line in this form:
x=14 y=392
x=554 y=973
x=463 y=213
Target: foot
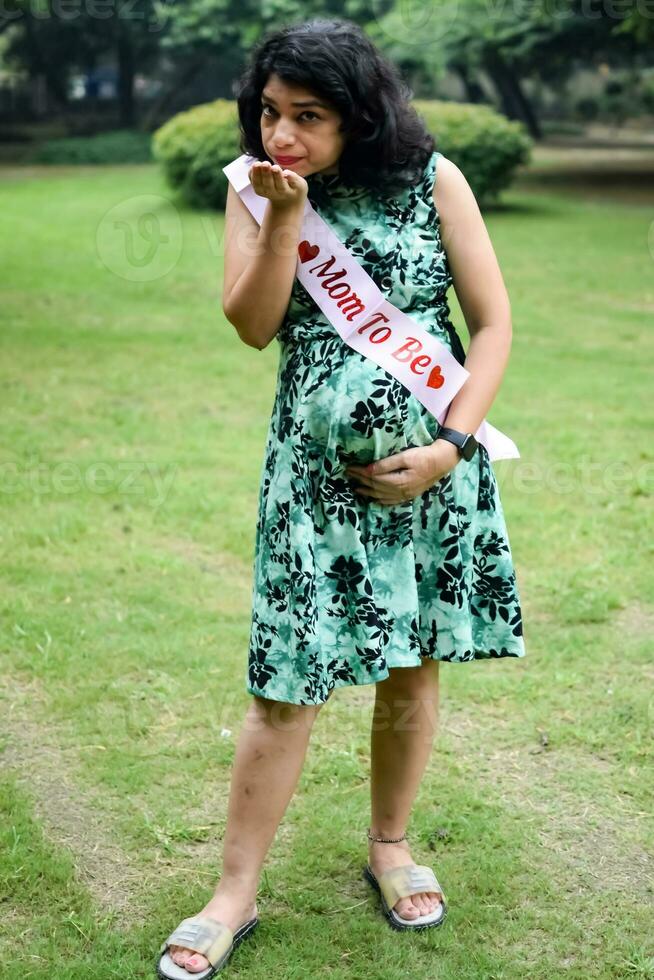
x=231 y=909
x=381 y=857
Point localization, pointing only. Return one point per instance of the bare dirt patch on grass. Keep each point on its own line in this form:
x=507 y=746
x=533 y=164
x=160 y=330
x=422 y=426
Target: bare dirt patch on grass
x=594 y=834
x=70 y=817
x=31 y=747
x=582 y=817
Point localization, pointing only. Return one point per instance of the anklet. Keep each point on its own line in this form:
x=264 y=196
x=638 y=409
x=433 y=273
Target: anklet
x=386 y=840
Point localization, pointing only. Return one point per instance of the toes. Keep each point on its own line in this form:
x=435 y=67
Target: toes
x=433 y=902
x=178 y=955
x=423 y=904
x=427 y=903
x=407 y=908
x=188 y=959
x=197 y=962
x=416 y=906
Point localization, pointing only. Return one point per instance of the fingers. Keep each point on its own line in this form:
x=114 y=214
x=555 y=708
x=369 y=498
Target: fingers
x=383 y=494
x=261 y=177
x=395 y=478
x=279 y=182
x=267 y=178
x=390 y=489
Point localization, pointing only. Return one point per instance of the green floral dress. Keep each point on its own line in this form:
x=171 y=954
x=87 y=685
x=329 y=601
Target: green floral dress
x=344 y=587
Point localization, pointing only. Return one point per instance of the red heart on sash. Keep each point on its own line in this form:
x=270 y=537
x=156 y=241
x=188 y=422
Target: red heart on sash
x=307 y=252
x=435 y=379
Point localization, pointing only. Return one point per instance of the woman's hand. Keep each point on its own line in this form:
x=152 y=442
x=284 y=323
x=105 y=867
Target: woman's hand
x=407 y=474
x=283 y=188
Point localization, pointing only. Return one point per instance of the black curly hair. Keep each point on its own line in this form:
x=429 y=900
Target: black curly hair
x=387 y=145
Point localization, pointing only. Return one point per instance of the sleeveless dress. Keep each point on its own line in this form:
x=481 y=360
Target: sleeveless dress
x=345 y=587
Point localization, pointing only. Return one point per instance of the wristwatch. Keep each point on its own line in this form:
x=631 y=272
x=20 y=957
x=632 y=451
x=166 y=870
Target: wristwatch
x=465 y=441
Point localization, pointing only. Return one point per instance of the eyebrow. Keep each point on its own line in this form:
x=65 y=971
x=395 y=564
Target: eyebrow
x=309 y=102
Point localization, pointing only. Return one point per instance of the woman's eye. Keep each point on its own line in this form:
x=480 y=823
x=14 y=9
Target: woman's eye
x=307 y=113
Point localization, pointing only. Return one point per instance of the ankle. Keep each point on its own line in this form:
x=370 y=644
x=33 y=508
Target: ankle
x=245 y=888
x=389 y=836
x=386 y=846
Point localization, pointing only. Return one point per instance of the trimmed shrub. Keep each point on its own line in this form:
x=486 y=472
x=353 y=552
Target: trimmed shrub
x=119 y=146
x=483 y=143
x=195 y=145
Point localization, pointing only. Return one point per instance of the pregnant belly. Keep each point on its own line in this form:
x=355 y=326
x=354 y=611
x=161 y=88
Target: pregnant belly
x=355 y=411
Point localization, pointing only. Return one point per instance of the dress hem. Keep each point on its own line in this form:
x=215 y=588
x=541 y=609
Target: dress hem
x=519 y=654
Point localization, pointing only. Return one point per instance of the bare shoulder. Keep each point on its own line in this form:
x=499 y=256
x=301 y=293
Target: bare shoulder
x=453 y=196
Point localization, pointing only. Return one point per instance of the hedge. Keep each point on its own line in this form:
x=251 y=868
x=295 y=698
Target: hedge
x=195 y=145
x=118 y=146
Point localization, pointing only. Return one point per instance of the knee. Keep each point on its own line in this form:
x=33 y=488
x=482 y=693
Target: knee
x=284 y=713
x=419 y=682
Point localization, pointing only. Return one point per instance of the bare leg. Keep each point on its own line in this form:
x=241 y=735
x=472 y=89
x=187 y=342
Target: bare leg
x=405 y=719
x=267 y=765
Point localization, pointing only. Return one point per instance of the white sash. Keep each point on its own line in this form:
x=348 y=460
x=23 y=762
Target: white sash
x=355 y=306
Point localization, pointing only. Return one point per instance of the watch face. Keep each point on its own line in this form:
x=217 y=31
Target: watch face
x=469 y=447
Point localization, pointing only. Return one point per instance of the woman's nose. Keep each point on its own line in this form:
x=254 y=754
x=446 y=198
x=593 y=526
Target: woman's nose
x=284 y=137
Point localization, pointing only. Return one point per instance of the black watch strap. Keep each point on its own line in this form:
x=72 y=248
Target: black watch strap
x=464 y=441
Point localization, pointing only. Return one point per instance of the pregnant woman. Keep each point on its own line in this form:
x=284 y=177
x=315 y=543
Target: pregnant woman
x=381 y=549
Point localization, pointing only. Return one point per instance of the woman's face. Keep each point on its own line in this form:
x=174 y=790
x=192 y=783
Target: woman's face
x=309 y=134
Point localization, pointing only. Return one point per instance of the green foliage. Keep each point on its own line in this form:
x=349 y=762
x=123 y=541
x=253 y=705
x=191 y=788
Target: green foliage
x=195 y=145
x=119 y=146
x=486 y=145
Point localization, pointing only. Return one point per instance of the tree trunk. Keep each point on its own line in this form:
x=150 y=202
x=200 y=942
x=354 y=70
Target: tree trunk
x=126 y=73
x=38 y=64
x=474 y=91
x=526 y=109
x=515 y=103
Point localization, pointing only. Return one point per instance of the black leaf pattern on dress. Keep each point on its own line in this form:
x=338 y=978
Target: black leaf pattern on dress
x=345 y=588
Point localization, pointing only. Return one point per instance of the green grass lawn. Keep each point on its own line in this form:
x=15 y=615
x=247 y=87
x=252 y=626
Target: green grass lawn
x=133 y=428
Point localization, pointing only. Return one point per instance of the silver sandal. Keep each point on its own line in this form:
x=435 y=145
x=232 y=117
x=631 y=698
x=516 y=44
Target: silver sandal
x=401 y=882
x=204 y=935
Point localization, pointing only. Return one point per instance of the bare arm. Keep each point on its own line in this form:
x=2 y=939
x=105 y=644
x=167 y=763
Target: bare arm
x=261 y=261
x=481 y=292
